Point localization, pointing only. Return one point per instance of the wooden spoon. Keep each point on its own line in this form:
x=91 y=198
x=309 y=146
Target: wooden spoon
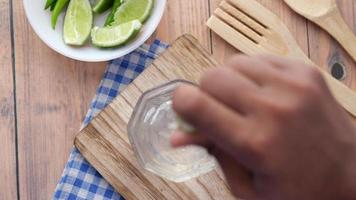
x=326 y=14
x=253 y=29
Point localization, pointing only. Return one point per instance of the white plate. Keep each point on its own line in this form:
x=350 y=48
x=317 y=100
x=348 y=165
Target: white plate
x=40 y=21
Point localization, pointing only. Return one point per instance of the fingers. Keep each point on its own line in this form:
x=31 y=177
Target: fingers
x=296 y=73
x=179 y=139
x=219 y=123
x=282 y=62
x=256 y=69
x=236 y=174
x=289 y=67
x=230 y=88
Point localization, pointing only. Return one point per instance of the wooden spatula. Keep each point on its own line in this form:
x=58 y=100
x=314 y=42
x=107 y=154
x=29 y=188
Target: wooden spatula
x=253 y=29
x=326 y=14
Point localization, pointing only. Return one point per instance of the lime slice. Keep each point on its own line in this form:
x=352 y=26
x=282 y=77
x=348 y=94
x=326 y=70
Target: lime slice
x=102 y=5
x=112 y=36
x=78 y=22
x=133 y=9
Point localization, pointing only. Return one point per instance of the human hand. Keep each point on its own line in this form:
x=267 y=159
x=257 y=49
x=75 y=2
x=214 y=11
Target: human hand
x=274 y=127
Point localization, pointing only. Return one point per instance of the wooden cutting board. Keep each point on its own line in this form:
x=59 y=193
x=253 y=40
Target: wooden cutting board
x=105 y=144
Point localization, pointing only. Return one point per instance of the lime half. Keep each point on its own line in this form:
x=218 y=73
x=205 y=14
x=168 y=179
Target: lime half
x=112 y=36
x=102 y=5
x=78 y=22
x=133 y=9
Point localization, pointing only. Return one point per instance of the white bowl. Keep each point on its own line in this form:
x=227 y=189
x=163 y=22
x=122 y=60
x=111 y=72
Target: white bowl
x=40 y=21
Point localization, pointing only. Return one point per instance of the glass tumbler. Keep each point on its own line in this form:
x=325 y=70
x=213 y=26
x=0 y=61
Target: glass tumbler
x=149 y=129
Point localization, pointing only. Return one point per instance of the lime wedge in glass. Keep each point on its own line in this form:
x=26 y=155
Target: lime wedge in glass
x=101 y=6
x=112 y=36
x=78 y=22
x=133 y=9
x=184 y=126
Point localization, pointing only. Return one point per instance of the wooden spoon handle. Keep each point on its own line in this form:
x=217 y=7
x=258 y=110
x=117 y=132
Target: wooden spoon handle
x=344 y=95
x=337 y=27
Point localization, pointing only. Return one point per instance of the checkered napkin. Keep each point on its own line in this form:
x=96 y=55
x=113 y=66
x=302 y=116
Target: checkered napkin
x=79 y=179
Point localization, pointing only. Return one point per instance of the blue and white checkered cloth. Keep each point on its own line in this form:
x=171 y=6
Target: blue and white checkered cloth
x=79 y=179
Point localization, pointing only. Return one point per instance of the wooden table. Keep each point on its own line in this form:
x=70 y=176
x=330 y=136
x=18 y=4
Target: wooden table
x=45 y=96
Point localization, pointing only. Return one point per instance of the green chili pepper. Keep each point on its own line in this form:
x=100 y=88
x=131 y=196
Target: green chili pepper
x=53 y=5
x=49 y=3
x=60 y=5
x=110 y=17
x=102 y=6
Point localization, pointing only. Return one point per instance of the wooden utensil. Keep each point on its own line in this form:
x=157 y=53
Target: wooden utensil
x=105 y=144
x=326 y=14
x=253 y=29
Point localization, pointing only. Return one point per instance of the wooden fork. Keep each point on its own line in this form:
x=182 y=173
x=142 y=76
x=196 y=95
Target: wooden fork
x=253 y=29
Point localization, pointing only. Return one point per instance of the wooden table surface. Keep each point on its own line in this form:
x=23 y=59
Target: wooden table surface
x=45 y=96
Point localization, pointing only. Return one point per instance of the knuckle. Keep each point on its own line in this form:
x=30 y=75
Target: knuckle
x=307 y=89
x=237 y=57
x=313 y=74
x=236 y=60
x=309 y=83
x=285 y=111
x=210 y=78
x=186 y=102
x=264 y=57
x=278 y=109
x=259 y=147
x=195 y=103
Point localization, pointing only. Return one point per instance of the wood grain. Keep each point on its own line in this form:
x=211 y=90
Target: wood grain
x=188 y=16
x=53 y=95
x=326 y=14
x=245 y=33
x=104 y=143
x=316 y=43
x=54 y=92
x=325 y=51
x=8 y=188
x=296 y=25
x=253 y=29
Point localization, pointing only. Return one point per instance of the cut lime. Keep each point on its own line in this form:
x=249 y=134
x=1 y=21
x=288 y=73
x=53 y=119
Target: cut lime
x=78 y=22
x=133 y=9
x=112 y=36
x=102 y=5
